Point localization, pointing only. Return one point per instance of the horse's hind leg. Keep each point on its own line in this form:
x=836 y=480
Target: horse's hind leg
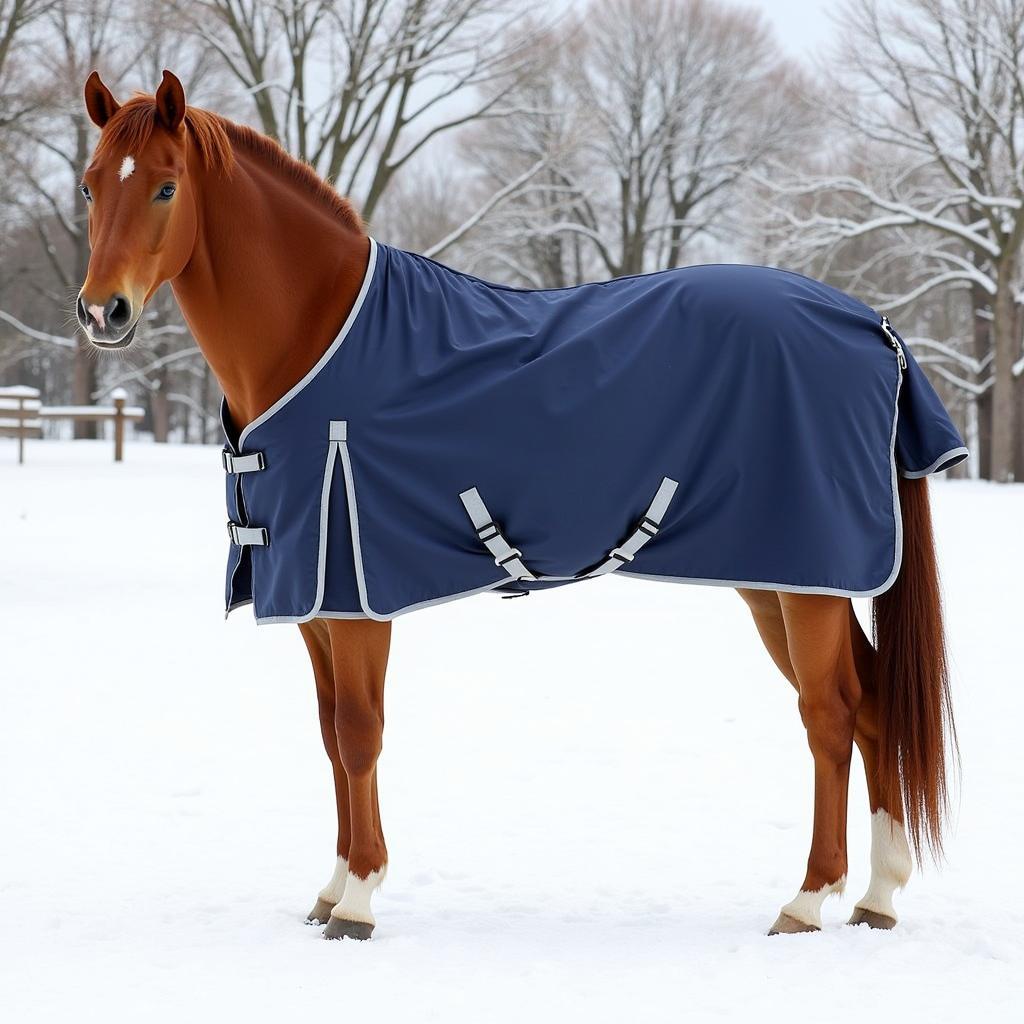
x=318 y=643
x=822 y=658
x=891 y=863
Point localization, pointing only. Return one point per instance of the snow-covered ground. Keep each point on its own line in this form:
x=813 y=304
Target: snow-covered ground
x=595 y=799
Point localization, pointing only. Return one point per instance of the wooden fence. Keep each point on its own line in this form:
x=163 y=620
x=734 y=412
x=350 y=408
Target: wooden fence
x=22 y=415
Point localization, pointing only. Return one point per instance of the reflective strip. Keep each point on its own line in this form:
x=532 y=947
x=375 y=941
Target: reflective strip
x=505 y=556
x=251 y=463
x=646 y=529
x=248 y=536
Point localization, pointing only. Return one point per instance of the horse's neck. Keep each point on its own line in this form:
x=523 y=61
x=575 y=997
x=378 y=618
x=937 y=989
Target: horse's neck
x=272 y=277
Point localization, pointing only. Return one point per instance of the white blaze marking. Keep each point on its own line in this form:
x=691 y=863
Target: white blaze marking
x=97 y=314
x=127 y=166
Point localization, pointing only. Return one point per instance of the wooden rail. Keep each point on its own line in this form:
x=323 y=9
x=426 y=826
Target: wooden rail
x=22 y=414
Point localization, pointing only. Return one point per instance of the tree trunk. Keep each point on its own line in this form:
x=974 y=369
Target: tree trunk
x=83 y=375
x=1019 y=461
x=1018 y=387
x=83 y=385
x=160 y=413
x=980 y=303
x=1004 y=338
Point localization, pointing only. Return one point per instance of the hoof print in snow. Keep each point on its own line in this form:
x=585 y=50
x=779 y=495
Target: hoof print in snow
x=321 y=913
x=872 y=919
x=338 y=929
x=786 y=925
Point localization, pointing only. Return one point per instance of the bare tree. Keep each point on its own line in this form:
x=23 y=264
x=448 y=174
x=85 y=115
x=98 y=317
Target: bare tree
x=934 y=92
x=358 y=88
x=16 y=19
x=648 y=116
x=52 y=148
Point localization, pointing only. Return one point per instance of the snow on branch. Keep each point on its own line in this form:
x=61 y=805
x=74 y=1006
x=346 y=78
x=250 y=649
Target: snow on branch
x=467 y=225
x=37 y=335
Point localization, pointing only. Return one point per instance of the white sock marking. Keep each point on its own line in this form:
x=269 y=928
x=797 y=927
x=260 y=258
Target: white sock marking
x=891 y=864
x=335 y=888
x=127 y=166
x=806 y=906
x=355 y=903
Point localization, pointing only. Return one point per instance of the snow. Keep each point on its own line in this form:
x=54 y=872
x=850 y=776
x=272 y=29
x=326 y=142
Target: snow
x=595 y=799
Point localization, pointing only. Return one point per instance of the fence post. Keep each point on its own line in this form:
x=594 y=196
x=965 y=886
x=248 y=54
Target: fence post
x=119 y=395
x=20 y=431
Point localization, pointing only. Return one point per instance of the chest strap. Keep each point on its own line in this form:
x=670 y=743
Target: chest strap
x=251 y=463
x=505 y=556
x=248 y=536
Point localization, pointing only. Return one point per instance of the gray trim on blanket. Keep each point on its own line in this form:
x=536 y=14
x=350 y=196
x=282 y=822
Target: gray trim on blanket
x=326 y=357
x=954 y=453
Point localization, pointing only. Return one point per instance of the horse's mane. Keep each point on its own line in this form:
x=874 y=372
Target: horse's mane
x=215 y=138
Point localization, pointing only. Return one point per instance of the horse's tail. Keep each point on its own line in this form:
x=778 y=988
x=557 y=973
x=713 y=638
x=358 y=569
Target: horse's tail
x=912 y=679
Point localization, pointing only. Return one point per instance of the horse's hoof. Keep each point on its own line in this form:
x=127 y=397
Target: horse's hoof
x=321 y=913
x=339 y=929
x=786 y=925
x=872 y=919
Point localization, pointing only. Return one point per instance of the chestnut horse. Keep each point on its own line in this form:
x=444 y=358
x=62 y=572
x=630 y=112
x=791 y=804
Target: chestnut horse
x=265 y=261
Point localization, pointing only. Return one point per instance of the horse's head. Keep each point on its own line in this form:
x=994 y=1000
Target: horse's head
x=142 y=211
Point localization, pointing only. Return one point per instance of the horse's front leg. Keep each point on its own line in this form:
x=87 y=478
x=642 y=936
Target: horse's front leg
x=818 y=635
x=318 y=643
x=359 y=656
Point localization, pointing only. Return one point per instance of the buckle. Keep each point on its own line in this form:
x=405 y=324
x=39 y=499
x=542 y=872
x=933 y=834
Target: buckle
x=648 y=526
x=235 y=531
x=494 y=531
x=513 y=554
x=228 y=460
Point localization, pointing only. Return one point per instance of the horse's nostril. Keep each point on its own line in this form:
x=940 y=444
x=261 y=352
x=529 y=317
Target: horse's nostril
x=119 y=312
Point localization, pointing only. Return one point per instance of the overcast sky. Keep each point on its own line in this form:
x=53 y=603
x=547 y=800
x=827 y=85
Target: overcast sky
x=803 y=26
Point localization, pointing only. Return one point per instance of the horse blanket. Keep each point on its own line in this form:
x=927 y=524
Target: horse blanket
x=727 y=425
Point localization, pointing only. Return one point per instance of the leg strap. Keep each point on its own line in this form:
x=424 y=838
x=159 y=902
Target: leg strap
x=505 y=556
x=646 y=529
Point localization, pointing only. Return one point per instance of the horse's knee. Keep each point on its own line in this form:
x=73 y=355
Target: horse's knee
x=359 y=729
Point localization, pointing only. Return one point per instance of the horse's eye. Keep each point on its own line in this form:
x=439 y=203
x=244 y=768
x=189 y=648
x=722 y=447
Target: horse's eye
x=167 y=192
x=84 y=189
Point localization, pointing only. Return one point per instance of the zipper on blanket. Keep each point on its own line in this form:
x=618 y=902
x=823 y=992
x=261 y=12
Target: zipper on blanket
x=890 y=335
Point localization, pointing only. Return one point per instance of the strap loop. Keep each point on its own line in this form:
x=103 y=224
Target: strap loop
x=250 y=463
x=646 y=529
x=248 y=536
x=505 y=556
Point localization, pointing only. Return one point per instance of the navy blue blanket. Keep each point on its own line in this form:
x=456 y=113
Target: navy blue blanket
x=717 y=424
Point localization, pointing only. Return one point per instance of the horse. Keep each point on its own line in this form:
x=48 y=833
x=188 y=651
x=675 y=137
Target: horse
x=266 y=260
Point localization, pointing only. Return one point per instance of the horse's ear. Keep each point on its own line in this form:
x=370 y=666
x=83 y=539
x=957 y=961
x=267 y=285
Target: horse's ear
x=170 y=102
x=99 y=101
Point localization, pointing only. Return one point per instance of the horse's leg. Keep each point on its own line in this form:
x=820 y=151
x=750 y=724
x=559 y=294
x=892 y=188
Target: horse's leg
x=764 y=605
x=318 y=643
x=891 y=863
x=822 y=657
x=359 y=654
